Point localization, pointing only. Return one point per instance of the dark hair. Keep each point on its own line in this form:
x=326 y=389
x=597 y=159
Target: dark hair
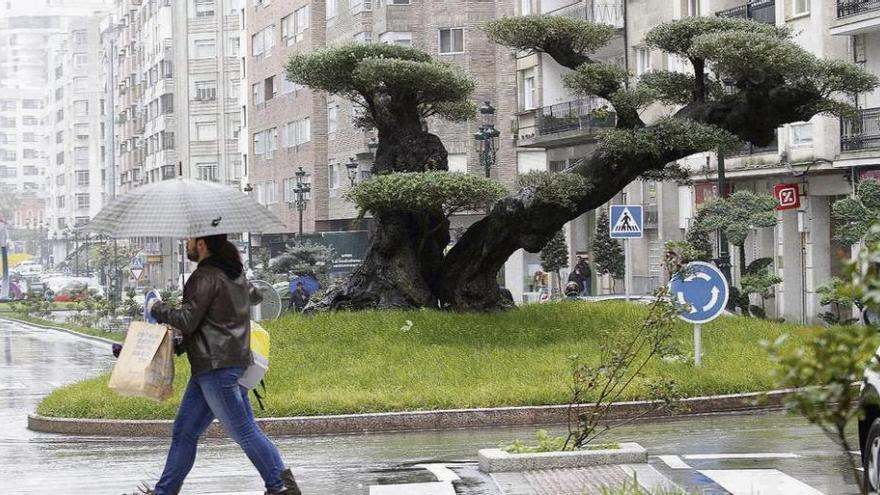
x=220 y=247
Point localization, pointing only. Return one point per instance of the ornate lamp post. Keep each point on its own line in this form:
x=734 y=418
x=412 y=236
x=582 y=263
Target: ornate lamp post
x=487 y=138
x=301 y=191
x=352 y=169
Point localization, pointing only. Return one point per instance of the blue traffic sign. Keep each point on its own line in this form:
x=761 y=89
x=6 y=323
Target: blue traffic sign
x=702 y=290
x=626 y=222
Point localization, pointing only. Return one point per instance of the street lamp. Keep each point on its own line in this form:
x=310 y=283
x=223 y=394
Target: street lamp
x=248 y=189
x=301 y=190
x=487 y=138
x=352 y=169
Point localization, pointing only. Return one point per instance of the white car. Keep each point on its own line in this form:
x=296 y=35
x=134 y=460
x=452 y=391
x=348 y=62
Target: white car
x=869 y=427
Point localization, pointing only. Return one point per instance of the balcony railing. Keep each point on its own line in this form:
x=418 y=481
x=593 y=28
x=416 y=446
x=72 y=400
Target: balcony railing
x=573 y=115
x=853 y=7
x=863 y=133
x=763 y=11
x=601 y=11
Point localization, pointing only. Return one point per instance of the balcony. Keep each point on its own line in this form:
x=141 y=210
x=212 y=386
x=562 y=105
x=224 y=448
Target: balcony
x=749 y=149
x=856 y=17
x=566 y=123
x=854 y=7
x=763 y=11
x=861 y=134
x=601 y=11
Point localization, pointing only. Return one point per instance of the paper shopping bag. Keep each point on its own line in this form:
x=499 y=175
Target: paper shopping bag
x=146 y=364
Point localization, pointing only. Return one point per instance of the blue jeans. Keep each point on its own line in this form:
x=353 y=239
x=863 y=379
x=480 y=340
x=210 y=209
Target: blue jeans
x=216 y=393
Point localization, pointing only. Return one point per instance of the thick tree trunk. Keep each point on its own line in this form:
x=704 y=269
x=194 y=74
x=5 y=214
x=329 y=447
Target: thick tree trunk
x=402 y=266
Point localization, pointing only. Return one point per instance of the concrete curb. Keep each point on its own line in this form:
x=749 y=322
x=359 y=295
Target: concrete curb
x=499 y=461
x=414 y=420
x=404 y=421
x=60 y=329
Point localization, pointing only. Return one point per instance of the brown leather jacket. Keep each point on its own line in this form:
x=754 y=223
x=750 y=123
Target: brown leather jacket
x=214 y=316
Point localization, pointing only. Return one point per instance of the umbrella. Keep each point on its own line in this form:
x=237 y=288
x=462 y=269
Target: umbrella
x=310 y=284
x=183 y=208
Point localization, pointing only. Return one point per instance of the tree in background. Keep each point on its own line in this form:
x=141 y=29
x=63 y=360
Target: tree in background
x=554 y=257
x=608 y=256
x=306 y=258
x=758 y=279
x=759 y=80
x=856 y=214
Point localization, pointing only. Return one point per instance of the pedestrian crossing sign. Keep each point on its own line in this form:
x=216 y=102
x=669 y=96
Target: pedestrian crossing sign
x=626 y=222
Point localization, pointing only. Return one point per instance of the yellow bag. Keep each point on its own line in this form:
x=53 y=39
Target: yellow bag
x=145 y=367
x=254 y=373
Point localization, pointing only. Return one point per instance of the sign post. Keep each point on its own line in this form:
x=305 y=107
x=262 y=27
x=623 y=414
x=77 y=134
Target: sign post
x=702 y=291
x=626 y=223
x=136 y=267
x=788 y=195
x=4 y=277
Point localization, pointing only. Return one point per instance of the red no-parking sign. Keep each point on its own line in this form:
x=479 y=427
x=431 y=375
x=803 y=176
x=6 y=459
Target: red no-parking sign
x=788 y=195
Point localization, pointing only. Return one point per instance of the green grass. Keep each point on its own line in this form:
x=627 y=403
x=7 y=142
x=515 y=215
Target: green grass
x=369 y=362
x=56 y=306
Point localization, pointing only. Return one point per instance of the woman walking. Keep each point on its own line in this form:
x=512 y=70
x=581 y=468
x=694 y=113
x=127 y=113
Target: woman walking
x=214 y=319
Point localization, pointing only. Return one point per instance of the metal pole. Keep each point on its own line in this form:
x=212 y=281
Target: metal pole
x=723 y=248
x=627 y=269
x=698 y=345
x=76 y=253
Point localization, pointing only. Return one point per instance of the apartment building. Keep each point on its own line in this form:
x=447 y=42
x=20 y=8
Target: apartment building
x=25 y=32
x=822 y=157
x=174 y=77
x=74 y=147
x=289 y=126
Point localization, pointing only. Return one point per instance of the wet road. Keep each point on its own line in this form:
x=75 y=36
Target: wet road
x=35 y=361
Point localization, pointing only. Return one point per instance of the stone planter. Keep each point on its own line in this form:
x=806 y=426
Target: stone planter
x=497 y=460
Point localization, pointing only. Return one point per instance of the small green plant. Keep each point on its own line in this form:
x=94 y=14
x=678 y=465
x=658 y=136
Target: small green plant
x=834 y=294
x=632 y=487
x=544 y=443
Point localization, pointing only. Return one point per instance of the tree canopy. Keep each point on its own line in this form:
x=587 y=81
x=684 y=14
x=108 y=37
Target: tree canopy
x=856 y=214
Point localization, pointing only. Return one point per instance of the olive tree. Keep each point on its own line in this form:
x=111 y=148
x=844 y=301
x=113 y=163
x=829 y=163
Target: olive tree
x=759 y=80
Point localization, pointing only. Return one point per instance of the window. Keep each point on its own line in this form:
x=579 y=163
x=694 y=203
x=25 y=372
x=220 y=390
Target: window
x=82 y=177
x=82 y=200
x=458 y=163
x=257 y=90
x=59 y=137
x=80 y=83
x=59 y=158
x=643 y=60
x=451 y=41
x=204 y=8
x=208 y=171
x=528 y=94
x=234 y=46
x=269 y=89
x=30 y=170
x=263 y=42
x=80 y=60
x=59 y=203
x=80 y=37
x=167 y=103
x=206 y=90
x=59 y=93
x=32 y=104
x=802 y=134
x=29 y=153
x=358 y=6
x=396 y=38
x=81 y=131
x=265 y=142
x=332 y=7
x=525 y=7
x=205 y=48
x=302 y=16
x=333 y=175
x=81 y=108
x=296 y=133
x=398 y=2
x=62 y=222
x=801 y=7
x=332 y=117
x=29 y=137
x=287 y=86
x=81 y=155
x=363 y=37
x=206 y=131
